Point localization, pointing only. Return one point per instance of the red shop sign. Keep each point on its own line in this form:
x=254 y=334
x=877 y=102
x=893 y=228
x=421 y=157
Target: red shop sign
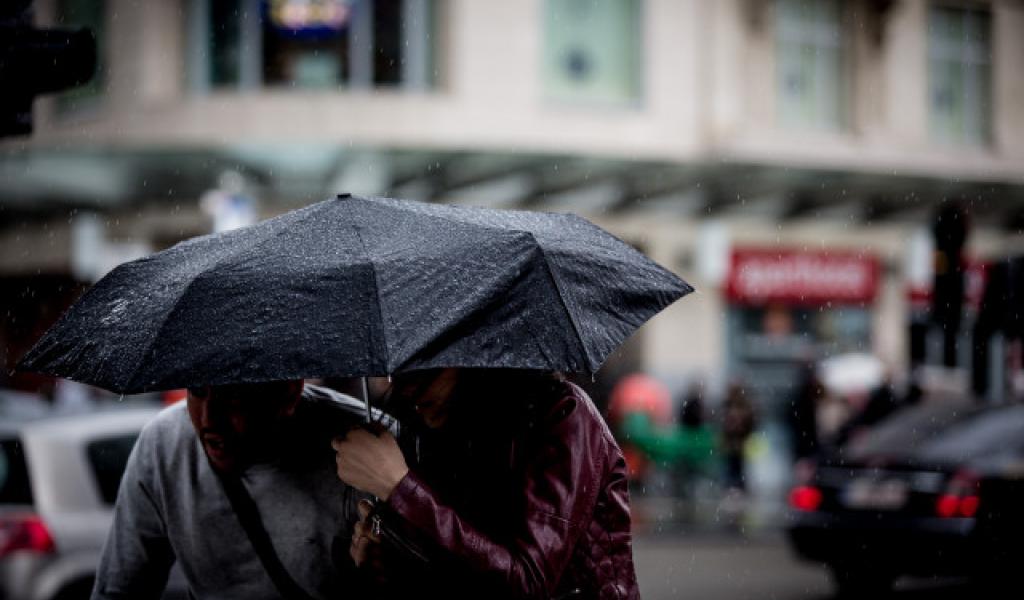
x=757 y=276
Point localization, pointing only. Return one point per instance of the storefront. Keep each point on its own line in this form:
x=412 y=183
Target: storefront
x=789 y=307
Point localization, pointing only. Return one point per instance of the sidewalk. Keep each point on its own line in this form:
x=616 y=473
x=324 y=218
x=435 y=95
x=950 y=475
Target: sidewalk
x=725 y=567
x=708 y=511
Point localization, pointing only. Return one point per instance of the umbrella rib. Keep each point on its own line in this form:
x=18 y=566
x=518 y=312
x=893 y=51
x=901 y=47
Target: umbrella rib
x=243 y=251
x=159 y=333
x=378 y=303
x=561 y=297
x=449 y=218
x=547 y=265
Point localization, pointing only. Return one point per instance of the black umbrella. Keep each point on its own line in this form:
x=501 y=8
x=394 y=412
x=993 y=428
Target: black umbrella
x=354 y=287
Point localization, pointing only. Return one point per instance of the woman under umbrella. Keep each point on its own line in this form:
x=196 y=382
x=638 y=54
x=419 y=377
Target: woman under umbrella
x=504 y=483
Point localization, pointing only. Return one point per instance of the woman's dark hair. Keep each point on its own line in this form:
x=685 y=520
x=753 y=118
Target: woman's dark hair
x=505 y=382
x=504 y=398
x=493 y=395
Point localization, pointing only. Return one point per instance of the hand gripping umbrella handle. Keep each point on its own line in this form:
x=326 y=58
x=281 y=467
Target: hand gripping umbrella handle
x=369 y=421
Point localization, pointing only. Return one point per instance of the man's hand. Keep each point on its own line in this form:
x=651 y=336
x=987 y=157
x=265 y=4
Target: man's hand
x=370 y=462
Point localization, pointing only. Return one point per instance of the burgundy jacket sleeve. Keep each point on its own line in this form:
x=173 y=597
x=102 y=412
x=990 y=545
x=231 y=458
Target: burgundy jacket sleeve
x=562 y=485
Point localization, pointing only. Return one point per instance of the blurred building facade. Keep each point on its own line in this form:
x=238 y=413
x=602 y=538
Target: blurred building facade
x=785 y=156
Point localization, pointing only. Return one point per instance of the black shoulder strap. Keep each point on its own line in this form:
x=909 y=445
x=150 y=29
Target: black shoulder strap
x=249 y=516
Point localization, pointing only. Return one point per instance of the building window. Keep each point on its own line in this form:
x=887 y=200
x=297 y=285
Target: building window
x=307 y=44
x=811 y=50
x=315 y=44
x=224 y=41
x=88 y=14
x=592 y=50
x=959 y=74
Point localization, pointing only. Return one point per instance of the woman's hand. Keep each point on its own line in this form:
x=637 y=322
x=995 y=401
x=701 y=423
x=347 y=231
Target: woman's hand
x=370 y=462
x=365 y=548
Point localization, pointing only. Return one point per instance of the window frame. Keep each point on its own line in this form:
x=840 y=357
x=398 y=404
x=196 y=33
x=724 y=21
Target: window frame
x=965 y=54
x=840 y=40
x=420 y=77
x=635 y=96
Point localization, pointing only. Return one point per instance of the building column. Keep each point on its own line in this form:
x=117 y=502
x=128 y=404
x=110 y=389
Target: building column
x=905 y=71
x=1007 y=82
x=145 y=51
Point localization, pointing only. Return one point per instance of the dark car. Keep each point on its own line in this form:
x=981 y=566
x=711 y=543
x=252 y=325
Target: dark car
x=935 y=490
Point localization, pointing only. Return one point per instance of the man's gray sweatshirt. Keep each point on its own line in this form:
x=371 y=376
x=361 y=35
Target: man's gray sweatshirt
x=171 y=507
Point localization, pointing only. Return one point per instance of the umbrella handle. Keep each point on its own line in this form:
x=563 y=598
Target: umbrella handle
x=369 y=420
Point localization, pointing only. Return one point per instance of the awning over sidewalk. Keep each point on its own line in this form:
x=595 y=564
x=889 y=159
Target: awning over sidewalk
x=41 y=181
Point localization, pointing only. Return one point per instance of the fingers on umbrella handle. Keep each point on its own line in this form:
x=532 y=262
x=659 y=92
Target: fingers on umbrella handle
x=365 y=507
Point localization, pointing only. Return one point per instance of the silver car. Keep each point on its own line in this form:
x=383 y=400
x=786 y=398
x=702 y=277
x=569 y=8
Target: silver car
x=58 y=481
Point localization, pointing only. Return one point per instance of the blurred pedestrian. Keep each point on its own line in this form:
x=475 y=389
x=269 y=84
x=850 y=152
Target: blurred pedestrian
x=738 y=422
x=834 y=410
x=237 y=485
x=639 y=409
x=696 y=441
x=505 y=484
x=802 y=413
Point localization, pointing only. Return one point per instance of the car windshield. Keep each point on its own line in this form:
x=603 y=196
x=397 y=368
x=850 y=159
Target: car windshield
x=14 y=482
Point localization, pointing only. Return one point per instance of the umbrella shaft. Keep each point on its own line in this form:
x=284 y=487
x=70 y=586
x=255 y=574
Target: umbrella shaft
x=366 y=401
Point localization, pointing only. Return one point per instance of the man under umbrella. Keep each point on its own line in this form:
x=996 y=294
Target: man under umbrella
x=270 y=439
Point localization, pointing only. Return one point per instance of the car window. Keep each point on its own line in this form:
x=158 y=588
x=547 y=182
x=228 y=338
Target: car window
x=992 y=432
x=108 y=458
x=14 y=481
x=908 y=430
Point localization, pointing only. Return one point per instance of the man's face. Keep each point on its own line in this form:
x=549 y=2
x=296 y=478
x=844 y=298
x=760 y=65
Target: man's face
x=241 y=424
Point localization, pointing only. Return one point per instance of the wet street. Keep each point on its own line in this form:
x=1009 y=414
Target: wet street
x=723 y=567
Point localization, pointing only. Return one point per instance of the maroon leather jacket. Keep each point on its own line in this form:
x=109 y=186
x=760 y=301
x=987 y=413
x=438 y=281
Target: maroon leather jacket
x=527 y=500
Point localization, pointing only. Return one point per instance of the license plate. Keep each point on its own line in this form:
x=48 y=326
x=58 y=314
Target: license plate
x=890 y=494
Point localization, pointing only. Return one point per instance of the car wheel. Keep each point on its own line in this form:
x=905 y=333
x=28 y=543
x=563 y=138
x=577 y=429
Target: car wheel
x=860 y=581
x=77 y=590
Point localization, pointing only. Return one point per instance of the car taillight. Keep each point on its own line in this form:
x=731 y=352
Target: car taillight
x=806 y=498
x=24 y=533
x=947 y=506
x=969 y=506
x=961 y=497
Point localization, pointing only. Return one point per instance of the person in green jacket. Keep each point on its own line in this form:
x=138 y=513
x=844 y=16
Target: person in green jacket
x=686 y=447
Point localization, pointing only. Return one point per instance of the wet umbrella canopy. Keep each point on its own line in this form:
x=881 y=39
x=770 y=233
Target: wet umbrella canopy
x=353 y=286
